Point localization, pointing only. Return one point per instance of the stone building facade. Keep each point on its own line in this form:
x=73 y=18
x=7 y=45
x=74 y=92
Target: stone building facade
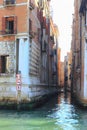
x=62 y=75
x=24 y=28
x=79 y=59
x=59 y=64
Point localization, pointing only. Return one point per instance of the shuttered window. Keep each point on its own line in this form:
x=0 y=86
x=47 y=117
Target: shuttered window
x=9 y=25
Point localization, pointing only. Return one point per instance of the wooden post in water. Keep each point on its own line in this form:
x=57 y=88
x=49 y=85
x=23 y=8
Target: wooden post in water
x=18 y=88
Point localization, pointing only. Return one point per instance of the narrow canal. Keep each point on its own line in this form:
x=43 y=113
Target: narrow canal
x=59 y=113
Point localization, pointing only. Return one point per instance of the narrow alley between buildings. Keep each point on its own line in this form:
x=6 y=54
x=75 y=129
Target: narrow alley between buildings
x=43 y=65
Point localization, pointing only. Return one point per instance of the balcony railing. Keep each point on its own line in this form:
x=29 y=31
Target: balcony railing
x=9 y=2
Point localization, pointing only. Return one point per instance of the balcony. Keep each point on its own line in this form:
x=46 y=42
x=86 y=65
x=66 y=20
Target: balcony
x=31 y=6
x=9 y=2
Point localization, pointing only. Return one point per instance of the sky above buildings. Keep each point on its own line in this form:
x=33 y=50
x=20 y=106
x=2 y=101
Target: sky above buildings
x=62 y=11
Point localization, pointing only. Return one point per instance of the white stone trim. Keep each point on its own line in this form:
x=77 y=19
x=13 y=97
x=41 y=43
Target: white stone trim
x=20 y=4
x=25 y=35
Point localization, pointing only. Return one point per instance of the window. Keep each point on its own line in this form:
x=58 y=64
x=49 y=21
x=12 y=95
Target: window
x=31 y=33
x=86 y=18
x=3 y=64
x=55 y=52
x=30 y=24
x=8 y=2
x=9 y=25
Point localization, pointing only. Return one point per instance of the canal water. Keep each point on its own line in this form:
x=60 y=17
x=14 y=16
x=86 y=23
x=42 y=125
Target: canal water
x=59 y=113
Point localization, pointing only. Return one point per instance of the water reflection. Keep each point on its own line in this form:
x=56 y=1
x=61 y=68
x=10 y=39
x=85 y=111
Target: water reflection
x=64 y=113
x=59 y=113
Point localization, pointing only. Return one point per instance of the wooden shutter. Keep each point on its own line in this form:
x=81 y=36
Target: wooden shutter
x=3 y=25
x=15 y=24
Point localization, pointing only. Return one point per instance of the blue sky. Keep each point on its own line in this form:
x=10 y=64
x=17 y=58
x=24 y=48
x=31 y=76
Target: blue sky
x=62 y=15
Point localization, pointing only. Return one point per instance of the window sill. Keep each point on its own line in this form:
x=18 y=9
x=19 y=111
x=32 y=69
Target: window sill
x=8 y=34
x=8 y=5
x=5 y=75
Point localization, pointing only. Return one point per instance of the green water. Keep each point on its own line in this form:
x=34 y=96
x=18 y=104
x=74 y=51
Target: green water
x=56 y=114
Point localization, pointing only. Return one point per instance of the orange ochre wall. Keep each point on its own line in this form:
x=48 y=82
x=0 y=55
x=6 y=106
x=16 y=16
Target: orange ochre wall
x=19 y=11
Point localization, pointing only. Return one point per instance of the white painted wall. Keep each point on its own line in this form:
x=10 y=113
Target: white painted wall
x=24 y=57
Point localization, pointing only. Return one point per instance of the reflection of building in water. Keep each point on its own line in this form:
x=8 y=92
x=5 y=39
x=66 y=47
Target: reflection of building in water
x=62 y=74
x=59 y=61
x=79 y=51
x=60 y=98
x=64 y=98
x=68 y=97
x=67 y=71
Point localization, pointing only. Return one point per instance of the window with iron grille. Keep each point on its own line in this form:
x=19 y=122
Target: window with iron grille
x=9 y=25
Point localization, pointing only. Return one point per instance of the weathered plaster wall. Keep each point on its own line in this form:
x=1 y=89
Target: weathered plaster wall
x=8 y=48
